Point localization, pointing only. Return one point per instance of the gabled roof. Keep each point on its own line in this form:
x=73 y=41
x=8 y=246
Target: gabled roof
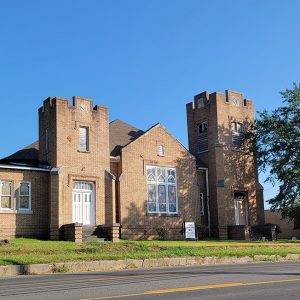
x=120 y=135
x=28 y=154
x=162 y=126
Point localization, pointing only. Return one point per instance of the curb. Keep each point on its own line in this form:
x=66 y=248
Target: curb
x=114 y=265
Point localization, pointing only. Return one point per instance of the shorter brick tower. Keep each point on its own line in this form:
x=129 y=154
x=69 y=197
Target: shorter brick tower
x=74 y=140
x=231 y=196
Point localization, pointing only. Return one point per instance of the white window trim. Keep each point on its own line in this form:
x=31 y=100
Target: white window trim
x=166 y=184
x=160 y=150
x=83 y=190
x=16 y=167
x=19 y=196
x=11 y=196
x=87 y=139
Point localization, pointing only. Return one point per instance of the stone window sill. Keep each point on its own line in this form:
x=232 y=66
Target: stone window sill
x=83 y=151
x=25 y=212
x=162 y=215
x=7 y=211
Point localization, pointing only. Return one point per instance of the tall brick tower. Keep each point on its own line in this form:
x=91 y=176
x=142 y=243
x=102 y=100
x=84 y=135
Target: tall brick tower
x=233 y=196
x=74 y=140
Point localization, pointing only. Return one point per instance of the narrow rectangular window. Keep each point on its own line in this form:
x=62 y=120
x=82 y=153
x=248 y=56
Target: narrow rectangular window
x=83 y=139
x=161 y=150
x=6 y=195
x=237 y=134
x=202 y=137
x=202 y=128
x=24 y=196
x=201 y=102
x=46 y=141
x=202 y=204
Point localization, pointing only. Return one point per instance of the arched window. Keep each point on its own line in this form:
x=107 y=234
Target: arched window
x=162 y=190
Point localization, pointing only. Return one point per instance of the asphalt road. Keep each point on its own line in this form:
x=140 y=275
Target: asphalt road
x=247 y=281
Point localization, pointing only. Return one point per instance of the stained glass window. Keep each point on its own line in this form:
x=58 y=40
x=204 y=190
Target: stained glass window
x=162 y=190
x=151 y=176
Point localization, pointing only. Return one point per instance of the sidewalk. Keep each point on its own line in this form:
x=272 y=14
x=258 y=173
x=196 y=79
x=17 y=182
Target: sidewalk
x=114 y=265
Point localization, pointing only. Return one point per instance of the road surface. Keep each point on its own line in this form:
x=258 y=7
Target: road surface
x=243 y=281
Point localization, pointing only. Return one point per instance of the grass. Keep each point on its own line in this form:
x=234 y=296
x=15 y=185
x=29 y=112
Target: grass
x=30 y=251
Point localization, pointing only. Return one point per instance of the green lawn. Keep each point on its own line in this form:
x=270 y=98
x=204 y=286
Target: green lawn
x=28 y=251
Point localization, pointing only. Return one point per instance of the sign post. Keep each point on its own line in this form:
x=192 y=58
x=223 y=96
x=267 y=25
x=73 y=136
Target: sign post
x=190 y=230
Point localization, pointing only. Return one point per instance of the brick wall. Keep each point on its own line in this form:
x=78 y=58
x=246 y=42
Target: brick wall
x=230 y=170
x=72 y=232
x=34 y=223
x=63 y=122
x=238 y=232
x=136 y=223
x=287 y=228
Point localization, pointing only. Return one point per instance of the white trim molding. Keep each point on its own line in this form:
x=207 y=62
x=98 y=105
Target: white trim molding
x=24 y=195
x=162 y=190
x=10 y=195
x=24 y=168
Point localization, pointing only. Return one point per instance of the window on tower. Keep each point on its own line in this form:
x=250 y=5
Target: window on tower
x=83 y=139
x=237 y=133
x=202 y=137
x=201 y=102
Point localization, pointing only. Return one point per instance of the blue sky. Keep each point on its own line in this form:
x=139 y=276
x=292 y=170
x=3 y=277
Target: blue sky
x=143 y=59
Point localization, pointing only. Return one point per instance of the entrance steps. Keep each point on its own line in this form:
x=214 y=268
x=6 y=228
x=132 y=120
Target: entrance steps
x=92 y=234
x=77 y=232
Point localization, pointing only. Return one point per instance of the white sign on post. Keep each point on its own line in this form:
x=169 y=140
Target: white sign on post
x=190 y=230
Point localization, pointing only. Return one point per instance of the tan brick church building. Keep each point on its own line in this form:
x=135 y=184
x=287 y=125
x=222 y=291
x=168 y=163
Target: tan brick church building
x=88 y=177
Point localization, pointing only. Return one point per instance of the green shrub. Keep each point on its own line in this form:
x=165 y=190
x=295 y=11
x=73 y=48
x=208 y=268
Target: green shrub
x=162 y=232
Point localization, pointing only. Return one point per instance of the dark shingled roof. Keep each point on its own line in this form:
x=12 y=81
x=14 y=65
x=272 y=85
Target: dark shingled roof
x=120 y=135
x=28 y=154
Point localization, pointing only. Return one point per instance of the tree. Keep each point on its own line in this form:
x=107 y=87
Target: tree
x=277 y=146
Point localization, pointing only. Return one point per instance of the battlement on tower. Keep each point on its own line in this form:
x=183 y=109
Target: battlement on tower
x=230 y=98
x=77 y=103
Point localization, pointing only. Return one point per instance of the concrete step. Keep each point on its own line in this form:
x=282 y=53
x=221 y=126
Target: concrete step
x=90 y=230
x=93 y=239
x=92 y=233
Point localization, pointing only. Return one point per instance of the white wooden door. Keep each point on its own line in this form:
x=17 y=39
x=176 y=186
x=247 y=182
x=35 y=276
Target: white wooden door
x=83 y=203
x=88 y=209
x=240 y=212
x=77 y=207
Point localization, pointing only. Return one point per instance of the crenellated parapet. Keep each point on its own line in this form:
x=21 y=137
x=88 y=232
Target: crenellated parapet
x=230 y=98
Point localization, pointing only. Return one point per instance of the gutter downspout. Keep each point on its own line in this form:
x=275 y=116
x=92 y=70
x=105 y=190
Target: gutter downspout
x=207 y=199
